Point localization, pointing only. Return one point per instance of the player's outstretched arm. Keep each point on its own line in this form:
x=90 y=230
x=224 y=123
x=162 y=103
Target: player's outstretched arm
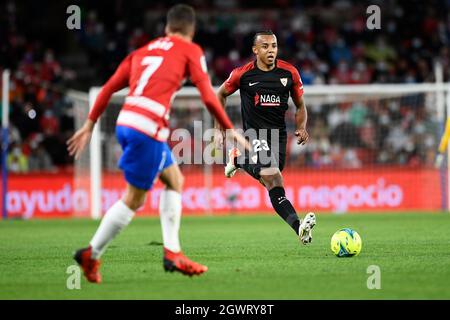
x=119 y=80
x=199 y=76
x=217 y=110
x=219 y=134
x=222 y=95
x=301 y=117
x=213 y=105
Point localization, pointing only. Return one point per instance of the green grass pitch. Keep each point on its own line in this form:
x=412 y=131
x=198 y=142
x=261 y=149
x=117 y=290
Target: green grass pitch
x=249 y=257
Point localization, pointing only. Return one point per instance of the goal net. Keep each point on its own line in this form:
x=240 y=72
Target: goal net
x=371 y=148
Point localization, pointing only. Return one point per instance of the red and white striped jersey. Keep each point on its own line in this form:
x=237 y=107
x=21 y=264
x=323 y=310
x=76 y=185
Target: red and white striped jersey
x=154 y=73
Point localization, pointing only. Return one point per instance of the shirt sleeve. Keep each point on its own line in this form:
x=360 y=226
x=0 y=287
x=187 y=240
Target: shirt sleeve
x=198 y=73
x=213 y=104
x=297 y=85
x=118 y=80
x=232 y=83
x=198 y=70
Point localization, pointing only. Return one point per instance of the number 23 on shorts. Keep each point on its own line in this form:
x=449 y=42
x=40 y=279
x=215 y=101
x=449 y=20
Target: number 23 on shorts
x=259 y=145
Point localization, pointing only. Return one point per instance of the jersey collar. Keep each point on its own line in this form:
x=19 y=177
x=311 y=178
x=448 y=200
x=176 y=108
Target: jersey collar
x=256 y=66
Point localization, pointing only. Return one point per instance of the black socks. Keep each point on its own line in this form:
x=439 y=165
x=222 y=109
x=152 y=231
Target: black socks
x=284 y=207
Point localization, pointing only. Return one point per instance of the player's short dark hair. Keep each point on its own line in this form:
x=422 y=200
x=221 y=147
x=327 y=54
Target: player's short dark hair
x=180 y=18
x=262 y=33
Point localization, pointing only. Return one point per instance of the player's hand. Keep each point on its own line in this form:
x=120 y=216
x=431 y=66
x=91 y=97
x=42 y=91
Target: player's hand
x=219 y=136
x=439 y=160
x=302 y=136
x=77 y=143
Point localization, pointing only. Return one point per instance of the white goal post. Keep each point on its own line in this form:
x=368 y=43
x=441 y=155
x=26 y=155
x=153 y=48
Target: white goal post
x=435 y=95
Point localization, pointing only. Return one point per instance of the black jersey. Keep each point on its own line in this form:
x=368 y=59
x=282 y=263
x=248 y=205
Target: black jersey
x=265 y=94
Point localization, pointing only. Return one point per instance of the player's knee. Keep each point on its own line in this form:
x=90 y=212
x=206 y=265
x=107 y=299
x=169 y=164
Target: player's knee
x=273 y=181
x=177 y=183
x=134 y=200
x=138 y=202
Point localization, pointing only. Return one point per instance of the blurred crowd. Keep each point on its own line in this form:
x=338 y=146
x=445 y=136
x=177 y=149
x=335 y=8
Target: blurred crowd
x=370 y=131
x=399 y=130
x=40 y=114
x=328 y=41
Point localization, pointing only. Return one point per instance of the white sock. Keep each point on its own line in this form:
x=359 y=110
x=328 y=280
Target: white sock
x=115 y=219
x=170 y=214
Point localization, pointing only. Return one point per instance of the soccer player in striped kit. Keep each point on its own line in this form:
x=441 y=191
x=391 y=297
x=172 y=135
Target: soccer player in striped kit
x=153 y=73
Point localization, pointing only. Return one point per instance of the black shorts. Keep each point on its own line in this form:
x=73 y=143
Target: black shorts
x=264 y=155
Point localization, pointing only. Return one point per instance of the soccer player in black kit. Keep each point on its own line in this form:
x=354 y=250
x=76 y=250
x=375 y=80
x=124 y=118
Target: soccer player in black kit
x=265 y=86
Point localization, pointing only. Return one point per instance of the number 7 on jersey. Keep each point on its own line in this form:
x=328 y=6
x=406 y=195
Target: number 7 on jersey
x=152 y=64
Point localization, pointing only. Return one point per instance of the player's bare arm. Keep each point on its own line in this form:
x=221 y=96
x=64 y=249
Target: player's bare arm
x=222 y=95
x=219 y=133
x=301 y=117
